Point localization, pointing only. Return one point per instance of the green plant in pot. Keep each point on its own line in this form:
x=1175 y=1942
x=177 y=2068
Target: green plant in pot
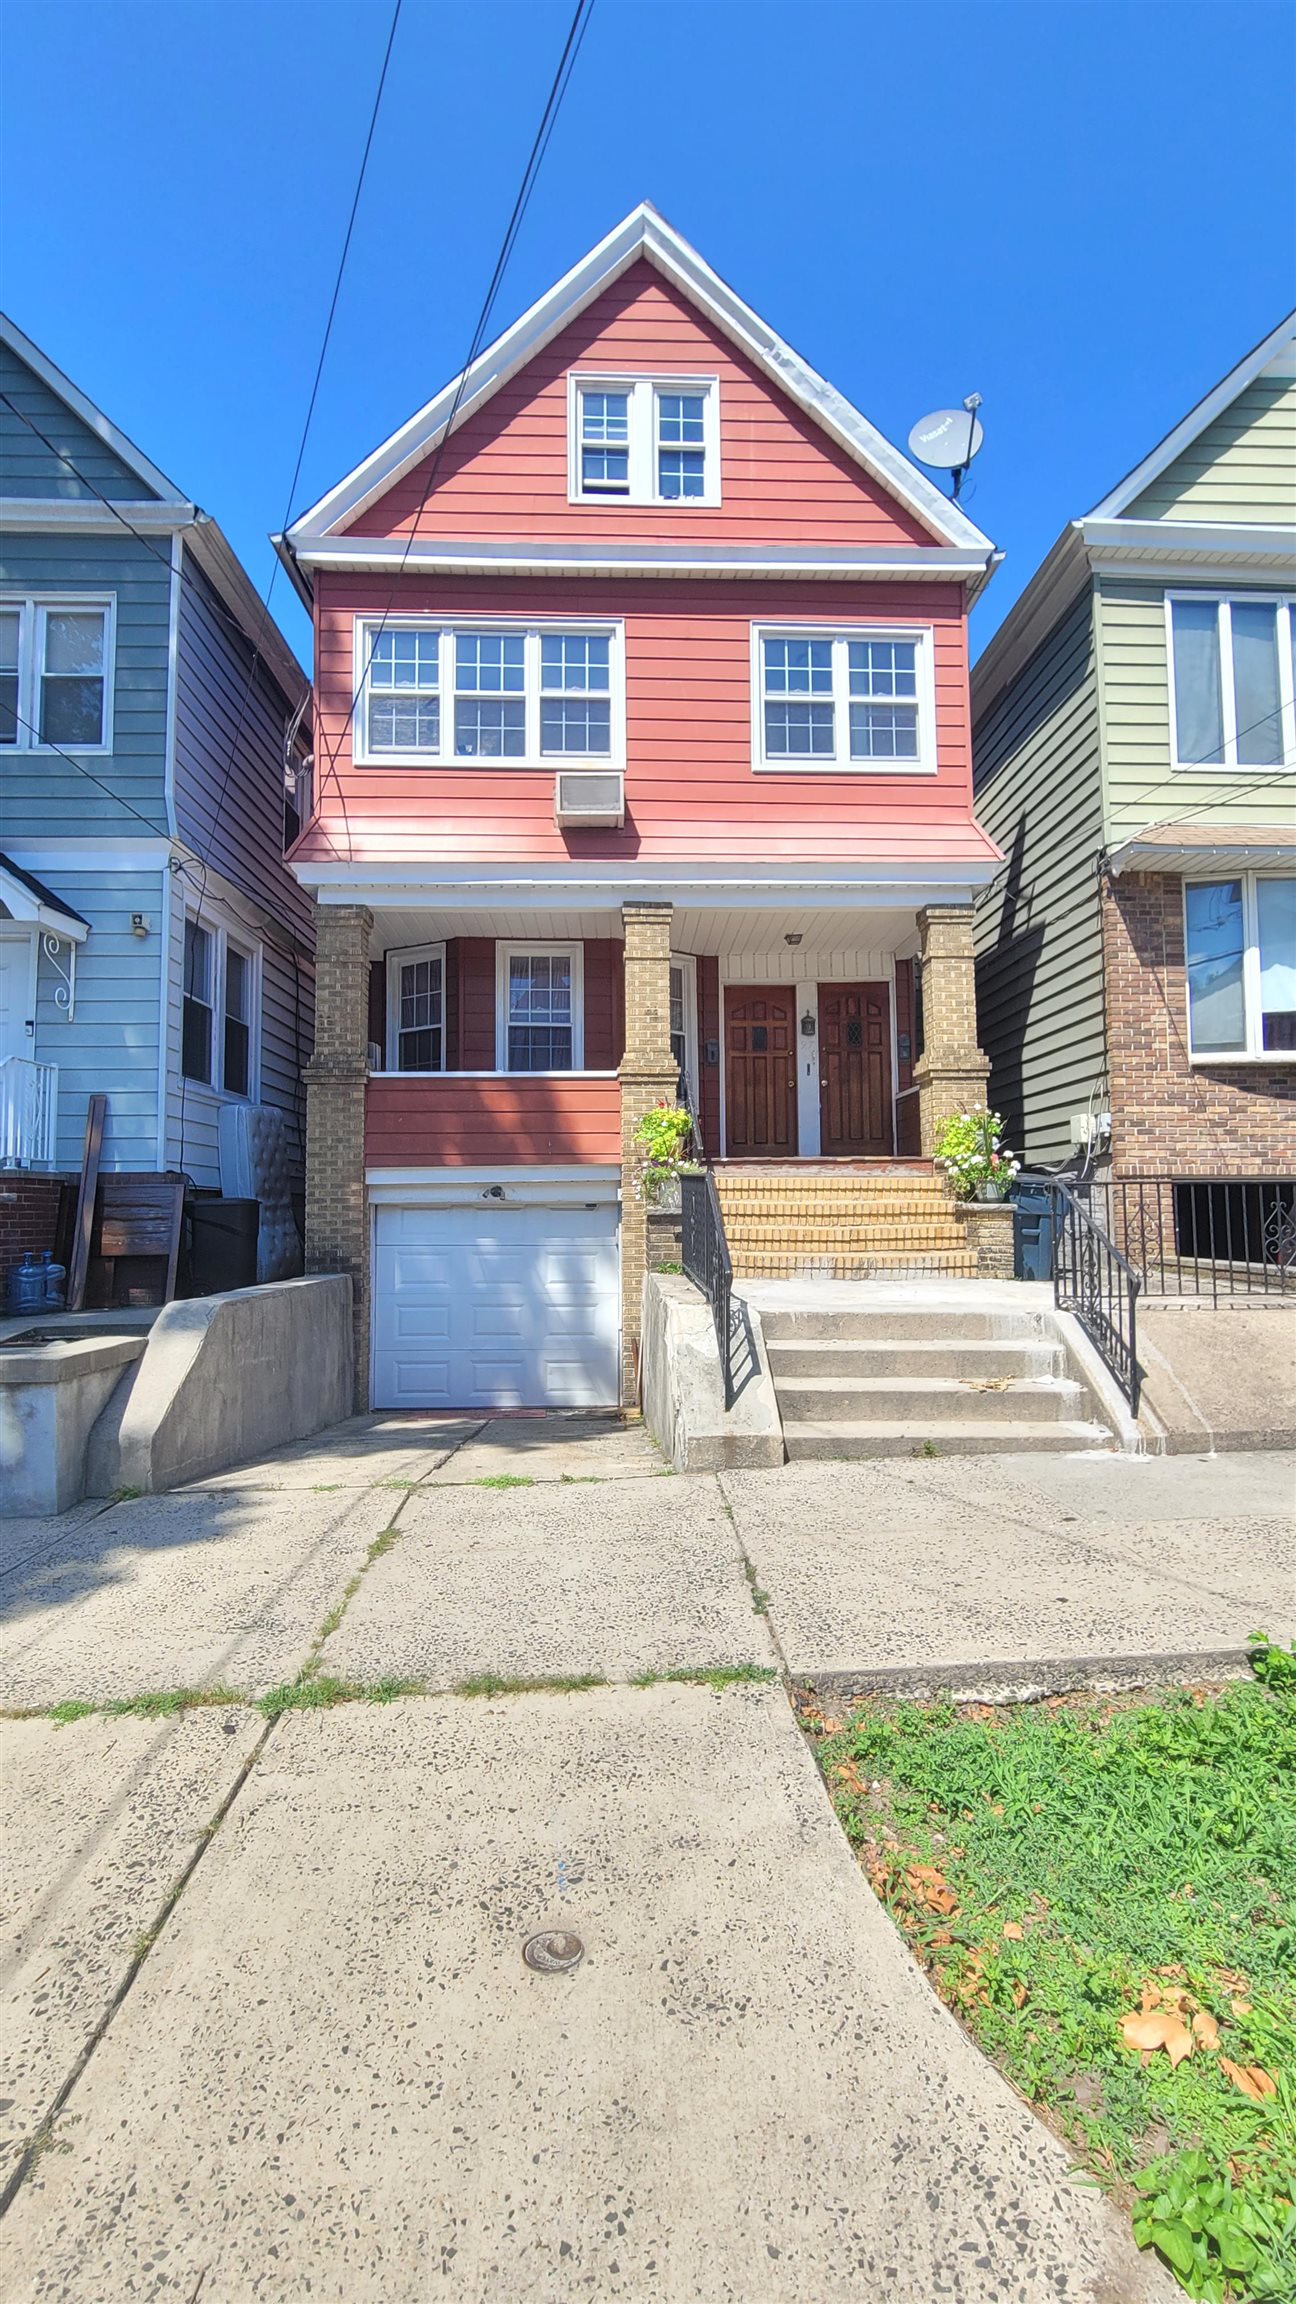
x=663 y=1137
x=973 y=1155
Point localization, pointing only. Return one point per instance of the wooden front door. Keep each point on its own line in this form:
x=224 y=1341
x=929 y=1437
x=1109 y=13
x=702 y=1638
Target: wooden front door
x=760 y=1072
x=855 y=1070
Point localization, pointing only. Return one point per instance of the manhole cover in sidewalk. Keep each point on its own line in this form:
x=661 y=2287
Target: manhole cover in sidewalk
x=554 y=1952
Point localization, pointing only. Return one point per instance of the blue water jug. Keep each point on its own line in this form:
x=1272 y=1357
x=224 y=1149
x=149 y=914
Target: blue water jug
x=27 y=1285
x=55 y=1282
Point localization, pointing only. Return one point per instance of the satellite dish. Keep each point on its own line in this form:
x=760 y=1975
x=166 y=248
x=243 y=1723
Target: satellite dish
x=949 y=438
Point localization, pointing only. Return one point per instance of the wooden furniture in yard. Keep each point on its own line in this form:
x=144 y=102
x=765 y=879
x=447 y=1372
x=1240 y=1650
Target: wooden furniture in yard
x=135 y=1244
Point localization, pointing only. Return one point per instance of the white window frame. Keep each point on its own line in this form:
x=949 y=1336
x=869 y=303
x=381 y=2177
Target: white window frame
x=537 y=947
x=687 y=963
x=222 y=937
x=1254 y=1052
x=1224 y=603
x=395 y=962
x=533 y=631
x=839 y=762
x=642 y=392
x=34 y=607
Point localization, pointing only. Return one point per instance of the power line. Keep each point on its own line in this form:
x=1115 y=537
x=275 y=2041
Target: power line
x=553 y=104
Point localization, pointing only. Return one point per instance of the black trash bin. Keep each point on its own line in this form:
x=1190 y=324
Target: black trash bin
x=1033 y=1227
x=222 y=1245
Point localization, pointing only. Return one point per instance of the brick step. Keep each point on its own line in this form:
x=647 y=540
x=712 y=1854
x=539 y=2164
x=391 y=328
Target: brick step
x=846 y=1441
x=829 y=1233
x=886 y=1263
x=822 y=1358
x=927 y=1400
x=852 y=1195
x=838 y=1212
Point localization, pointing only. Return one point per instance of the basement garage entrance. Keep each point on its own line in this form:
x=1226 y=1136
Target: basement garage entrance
x=493 y=1306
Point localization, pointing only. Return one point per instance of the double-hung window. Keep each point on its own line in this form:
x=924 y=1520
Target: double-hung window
x=431 y=696
x=55 y=674
x=218 y=1030
x=540 y=997
x=1231 y=682
x=416 y=1010
x=1240 y=955
x=855 y=700
x=644 y=440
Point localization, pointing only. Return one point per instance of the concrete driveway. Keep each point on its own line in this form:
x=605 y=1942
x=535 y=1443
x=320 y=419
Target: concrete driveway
x=265 y=2007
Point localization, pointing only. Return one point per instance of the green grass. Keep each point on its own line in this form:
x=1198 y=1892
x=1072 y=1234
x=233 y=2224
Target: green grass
x=504 y=1480
x=559 y=1684
x=707 y=1675
x=1126 y=1847
x=63 y=1714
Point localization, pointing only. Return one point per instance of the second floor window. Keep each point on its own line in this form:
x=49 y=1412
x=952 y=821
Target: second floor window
x=54 y=674
x=645 y=440
x=1231 y=682
x=486 y=694
x=858 y=700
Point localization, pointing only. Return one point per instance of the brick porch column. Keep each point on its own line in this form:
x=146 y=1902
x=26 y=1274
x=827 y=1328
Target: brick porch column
x=951 y=1073
x=337 y=1225
x=649 y=1074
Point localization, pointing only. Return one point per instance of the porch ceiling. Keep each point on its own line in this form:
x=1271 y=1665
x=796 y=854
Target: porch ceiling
x=730 y=933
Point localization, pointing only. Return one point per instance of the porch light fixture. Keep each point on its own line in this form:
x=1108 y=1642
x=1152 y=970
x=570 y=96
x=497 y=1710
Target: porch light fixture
x=793 y=939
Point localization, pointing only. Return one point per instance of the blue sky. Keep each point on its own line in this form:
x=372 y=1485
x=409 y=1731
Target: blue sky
x=1082 y=209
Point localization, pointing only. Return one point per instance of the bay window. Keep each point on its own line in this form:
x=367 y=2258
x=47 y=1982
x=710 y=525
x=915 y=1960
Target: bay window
x=1240 y=963
x=55 y=674
x=859 y=700
x=430 y=696
x=1231 y=682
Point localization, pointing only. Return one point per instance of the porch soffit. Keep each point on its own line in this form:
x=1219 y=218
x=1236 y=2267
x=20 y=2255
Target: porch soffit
x=836 y=934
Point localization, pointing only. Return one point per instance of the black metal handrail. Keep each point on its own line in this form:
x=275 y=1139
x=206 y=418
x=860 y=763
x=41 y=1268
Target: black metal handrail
x=1093 y=1280
x=704 y=1254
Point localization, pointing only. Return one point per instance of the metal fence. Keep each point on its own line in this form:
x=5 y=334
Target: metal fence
x=704 y=1254
x=1093 y=1280
x=1207 y=1236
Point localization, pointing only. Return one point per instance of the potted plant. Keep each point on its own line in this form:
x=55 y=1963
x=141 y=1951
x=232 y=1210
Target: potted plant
x=973 y=1155
x=662 y=1137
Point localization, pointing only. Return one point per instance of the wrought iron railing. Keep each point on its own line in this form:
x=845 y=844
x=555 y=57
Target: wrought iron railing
x=28 y=1113
x=1093 y=1280
x=704 y=1254
x=1207 y=1236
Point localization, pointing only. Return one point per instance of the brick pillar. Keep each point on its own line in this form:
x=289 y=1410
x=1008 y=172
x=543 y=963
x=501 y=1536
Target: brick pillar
x=951 y=1073
x=649 y=1075
x=337 y=1218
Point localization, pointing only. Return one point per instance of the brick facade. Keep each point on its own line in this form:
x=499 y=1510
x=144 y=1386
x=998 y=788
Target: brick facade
x=337 y=1219
x=951 y=1073
x=1171 y=1116
x=29 y=1218
x=649 y=1075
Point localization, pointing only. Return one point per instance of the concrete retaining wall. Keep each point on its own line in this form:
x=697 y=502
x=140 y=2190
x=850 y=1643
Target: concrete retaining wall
x=683 y=1389
x=224 y=1378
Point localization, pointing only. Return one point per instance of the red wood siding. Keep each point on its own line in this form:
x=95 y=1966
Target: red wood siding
x=691 y=791
x=450 y=1120
x=470 y=1003
x=604 y=1005
x=504 y=473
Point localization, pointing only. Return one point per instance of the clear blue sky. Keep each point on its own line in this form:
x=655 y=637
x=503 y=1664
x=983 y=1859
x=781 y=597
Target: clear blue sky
x=1082 y=209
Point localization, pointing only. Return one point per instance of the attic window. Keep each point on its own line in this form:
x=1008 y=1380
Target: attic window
x=644 y=440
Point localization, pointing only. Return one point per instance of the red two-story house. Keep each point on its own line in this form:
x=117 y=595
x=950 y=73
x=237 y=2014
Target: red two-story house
x=643 y=752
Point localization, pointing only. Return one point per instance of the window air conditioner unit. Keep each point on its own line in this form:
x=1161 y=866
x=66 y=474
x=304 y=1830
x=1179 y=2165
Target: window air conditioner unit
x=589 y=796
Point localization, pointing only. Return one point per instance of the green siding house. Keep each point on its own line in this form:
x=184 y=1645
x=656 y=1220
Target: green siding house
x=1135 y=758
x=153 y=944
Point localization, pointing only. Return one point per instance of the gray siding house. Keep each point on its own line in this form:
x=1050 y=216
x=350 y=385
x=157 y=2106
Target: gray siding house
x=1134 y=746
x=153 y=732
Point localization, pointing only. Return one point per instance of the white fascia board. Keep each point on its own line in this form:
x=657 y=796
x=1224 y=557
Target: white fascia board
x=23 y=904
x=1234 y=851
x=643 y=233
x=1269 y=350
x=93 y=418
x=377 y=553
x=87 y=515
x=1184 y=539
x=849 y=887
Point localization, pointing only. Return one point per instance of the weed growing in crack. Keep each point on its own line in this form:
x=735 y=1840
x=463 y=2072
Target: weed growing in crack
x=504 y=1480
x=707 y=1675
x=73 y=1709
x=559 y=1684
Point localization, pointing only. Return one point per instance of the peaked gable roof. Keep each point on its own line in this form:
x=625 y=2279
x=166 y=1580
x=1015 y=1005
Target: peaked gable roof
x=153 y=483
x=1269 y=351
x=643 y=234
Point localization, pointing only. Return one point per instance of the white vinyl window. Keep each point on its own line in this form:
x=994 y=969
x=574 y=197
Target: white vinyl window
x=56 y=674
x=856 y=700
x=683 y=1022
x=1231 y=687
x=1240 y=964
x=540 y=1003
x=495 y=694
x=416 y=1009
x=644 y=440
x=220 y=1008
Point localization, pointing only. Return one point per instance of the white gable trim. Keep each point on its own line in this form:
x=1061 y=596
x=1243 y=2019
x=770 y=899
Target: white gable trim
x=1263 y=355
x=93 y=418
x=643 y=233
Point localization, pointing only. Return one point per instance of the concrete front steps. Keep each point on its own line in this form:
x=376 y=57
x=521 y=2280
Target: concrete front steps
x=840 y=1222
x=908 y=1379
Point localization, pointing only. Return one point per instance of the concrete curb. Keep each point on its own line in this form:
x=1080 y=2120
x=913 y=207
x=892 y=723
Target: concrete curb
x=1024 y=1682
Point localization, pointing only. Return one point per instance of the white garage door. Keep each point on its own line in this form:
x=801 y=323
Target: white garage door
x=496 y=1307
